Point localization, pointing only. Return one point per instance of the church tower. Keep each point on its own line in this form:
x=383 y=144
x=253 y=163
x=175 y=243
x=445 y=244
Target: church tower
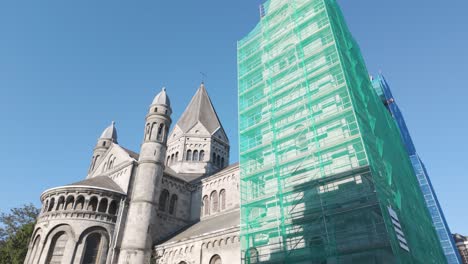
x=198 y=144
x=140 y=225
x=108 y=136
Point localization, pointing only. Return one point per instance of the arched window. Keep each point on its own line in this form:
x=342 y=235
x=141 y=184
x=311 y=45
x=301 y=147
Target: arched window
x=214 y=201
x=172 y=158
x=176 y=156
x=202 y=155
x=167 y=162
x=92 y=206
x=206 y=205
x=218 y=160
x=222 y=162
x=57 y=248
x=110 y=162
x=153 y=131
x=222 y=199
x=46 y=206
x=79 y=203
x=113 y=207
x=94 y=250
x=195 y=155
x=155 y=109
x=147 y=133
x=51 y=205
x=160 y=132
x=60 y=203
x=214 y=158
x=216 y=259
x=70 y=202
x=32 y=257
x=173 y=204
x=103 y=205
x=251 y=256
x=163 y=200
x=93 y=162
x=189 y=155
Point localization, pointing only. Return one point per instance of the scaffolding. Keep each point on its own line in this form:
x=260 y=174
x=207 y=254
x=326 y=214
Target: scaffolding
x=438 y=219
x=320 y=157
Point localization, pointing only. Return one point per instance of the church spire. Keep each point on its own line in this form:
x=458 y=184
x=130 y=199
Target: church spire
x=200 y=110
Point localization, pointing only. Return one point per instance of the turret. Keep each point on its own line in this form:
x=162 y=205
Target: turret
x=141 y=218
x=108 y=136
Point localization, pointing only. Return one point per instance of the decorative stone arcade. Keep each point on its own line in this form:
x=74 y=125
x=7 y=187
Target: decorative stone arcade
x=76 y=224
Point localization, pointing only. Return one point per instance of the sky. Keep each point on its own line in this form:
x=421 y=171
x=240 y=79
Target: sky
x=70 y=68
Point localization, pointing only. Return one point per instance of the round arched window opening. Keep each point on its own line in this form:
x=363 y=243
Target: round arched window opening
x=251 y=255
x=95 y=249
x=102 y=206
x=216 y=259
x=57 y=246
x=113 y=207
x=51 y=205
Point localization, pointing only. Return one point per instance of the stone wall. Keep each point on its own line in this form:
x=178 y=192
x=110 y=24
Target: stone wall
x=201 y=250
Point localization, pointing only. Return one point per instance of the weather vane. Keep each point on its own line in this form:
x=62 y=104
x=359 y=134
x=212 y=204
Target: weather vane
x=203 y=77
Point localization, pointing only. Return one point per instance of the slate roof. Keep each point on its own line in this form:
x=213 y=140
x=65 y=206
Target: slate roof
x=200 y=109
x=187 y=177
x=131 y=153
x=209 y=225
x=110 y=133
x=162 y=98
x=100 y=182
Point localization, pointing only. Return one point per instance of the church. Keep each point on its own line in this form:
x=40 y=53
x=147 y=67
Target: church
x=176 y=201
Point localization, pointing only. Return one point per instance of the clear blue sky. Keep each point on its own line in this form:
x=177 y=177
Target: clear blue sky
x=68 y=68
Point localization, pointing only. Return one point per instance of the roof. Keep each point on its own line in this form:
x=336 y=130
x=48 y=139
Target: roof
x=99 y=182
x=200 y=109
x=131 y=153
x=192 y=177
x=187 y=177
x=209 y=225
x=161 y=98
x=110 y=133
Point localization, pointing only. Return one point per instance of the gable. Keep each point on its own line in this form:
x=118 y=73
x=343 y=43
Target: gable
x=114 y=158
x=199 y=110
x=199 y=130
x=175 y=134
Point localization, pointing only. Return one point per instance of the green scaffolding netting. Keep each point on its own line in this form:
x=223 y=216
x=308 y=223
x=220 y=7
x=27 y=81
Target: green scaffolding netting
x=324 y=174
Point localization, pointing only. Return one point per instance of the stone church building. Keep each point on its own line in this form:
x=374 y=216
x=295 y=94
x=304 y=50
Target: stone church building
x=177 y=201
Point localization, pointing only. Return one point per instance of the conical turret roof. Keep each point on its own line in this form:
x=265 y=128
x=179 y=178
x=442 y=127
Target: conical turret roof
x=110 y=133
x=162 y=98
x=200 y=109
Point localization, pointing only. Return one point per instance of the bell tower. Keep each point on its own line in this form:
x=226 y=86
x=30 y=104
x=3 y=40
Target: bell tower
x=198 y=144
x=140 y=224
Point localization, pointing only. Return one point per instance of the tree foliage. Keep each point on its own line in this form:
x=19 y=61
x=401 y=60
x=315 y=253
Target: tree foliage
x=16 y=229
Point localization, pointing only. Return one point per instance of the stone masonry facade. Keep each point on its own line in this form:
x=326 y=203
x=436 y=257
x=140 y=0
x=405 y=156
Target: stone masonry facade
x=176 y=201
